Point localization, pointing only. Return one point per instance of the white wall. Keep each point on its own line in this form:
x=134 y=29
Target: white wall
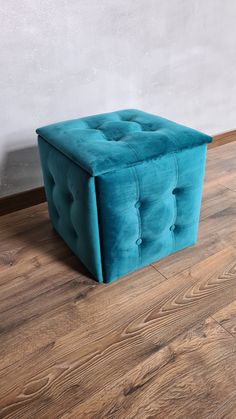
x=61 y=59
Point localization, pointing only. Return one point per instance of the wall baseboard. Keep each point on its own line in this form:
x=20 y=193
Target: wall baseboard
x=224 y=138
x=36 y=196
x=22 y=200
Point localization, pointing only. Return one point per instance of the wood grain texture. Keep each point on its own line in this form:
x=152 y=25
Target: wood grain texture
x=184 y=379
x=227 y=410
x=159 y=343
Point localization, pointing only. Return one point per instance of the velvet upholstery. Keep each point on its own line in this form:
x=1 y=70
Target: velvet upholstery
x=123 y=188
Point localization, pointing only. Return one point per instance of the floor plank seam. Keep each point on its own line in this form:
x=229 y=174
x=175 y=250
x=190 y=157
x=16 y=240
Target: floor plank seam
x=229 y=189
x=166 y=278
x=227 y=331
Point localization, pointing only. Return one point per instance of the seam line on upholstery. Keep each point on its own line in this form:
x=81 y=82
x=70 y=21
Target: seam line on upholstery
x=173 y=140
x=99 y=228
x=148 y=160
x=137 y=209
x=134 y=151
x=137 y=198
x=175 y=200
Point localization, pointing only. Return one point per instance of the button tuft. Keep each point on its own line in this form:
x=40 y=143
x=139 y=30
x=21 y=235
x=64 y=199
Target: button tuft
x=138 y=204
x=172 y=227
x=139 y=241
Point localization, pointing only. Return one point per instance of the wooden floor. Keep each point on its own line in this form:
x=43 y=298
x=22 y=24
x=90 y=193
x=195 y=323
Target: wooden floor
x=160 y=343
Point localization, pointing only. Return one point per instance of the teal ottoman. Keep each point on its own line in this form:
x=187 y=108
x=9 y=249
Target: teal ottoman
x=123 y=188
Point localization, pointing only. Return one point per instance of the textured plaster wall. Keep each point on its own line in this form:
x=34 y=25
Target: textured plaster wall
x=62 y=59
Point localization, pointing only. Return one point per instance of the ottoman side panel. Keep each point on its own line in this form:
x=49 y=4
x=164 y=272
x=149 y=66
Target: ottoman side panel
x=149 y=210
x=119 y=222
x=72 y=206
x=136 y=209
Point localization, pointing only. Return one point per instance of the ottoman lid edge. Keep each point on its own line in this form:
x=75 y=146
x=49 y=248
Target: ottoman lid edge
x=94 y=144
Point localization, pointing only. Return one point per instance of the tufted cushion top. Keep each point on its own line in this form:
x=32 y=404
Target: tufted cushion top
x=111 y=141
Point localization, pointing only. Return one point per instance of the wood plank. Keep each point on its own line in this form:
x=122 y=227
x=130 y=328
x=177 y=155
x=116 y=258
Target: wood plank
x=222 y=223
x=25 y=288
x=55 y=311
x=226 y=317
x=223 y=169
x=216 y=198
x=24 y=221
x=229 y=180
x=222 y=153
x=114 y=335
x=189 y=378
x=218 y=167
x=23 y=259
x=39 y=321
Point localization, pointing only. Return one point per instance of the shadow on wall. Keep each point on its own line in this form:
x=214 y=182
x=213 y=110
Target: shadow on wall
x=20 y=171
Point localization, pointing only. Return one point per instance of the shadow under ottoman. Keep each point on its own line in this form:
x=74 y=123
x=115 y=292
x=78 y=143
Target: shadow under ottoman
x=123 y=188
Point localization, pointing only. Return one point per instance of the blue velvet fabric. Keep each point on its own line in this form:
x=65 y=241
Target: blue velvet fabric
x=123 y=188
x=103 y=143
x=72 y=206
